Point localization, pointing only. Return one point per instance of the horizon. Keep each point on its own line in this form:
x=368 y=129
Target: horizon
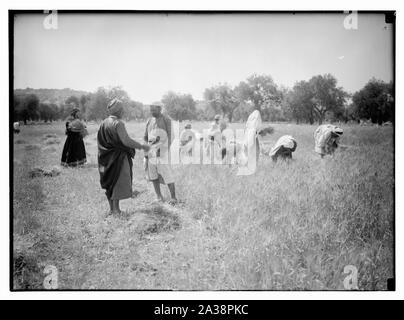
x=189 y=52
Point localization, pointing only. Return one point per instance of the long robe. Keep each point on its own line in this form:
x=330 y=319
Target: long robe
x=158 y=134
x=74 y=151
x=249 y=158
x=115 y=153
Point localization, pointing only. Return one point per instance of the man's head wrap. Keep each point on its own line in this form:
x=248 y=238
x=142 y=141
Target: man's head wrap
x=115 y=107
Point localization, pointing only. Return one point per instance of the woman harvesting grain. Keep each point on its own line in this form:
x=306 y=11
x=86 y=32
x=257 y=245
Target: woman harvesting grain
x=326 y=139
x=283 y=148
x=74 y=152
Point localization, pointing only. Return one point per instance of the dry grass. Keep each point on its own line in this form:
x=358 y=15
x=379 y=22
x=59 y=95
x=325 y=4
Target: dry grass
x=291 y=226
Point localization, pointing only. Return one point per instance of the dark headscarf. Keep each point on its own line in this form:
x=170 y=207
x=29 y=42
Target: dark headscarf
x=74 y=112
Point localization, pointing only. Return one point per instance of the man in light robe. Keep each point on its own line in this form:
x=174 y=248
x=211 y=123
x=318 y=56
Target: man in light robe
x=157 y=161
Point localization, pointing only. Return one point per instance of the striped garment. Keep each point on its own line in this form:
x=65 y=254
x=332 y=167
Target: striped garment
x=326 y=139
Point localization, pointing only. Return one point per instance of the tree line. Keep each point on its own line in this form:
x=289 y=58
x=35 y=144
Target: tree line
x=28 y=107
x=318 y=99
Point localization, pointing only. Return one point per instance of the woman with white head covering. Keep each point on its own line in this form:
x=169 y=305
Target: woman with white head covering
x=115 y=152
x=238 y=151
x=248 y=154
x=326 y=139
x=16 y=127
x=283 y=148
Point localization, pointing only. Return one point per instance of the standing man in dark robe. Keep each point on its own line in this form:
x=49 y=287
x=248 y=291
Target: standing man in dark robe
x=115 y=152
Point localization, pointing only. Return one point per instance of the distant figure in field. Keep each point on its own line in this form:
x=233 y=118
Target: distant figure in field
x=187 y=140
x=74 y=152
x=283 y=148
x=215 y=125
x=237 y=151
x=214 y=143
x=326 y=139
x=156 y=162
x=115 y=152
x=16 y=126
x=216 y=128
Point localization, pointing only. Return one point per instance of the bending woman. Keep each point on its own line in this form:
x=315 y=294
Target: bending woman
x=326 y=139
x=283 y=148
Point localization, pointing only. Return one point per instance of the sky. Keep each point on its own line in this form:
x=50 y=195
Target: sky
x=151 y=54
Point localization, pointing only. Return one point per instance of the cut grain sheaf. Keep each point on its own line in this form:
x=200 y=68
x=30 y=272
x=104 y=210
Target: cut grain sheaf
x=32 y=147
x=157 y=219
x=41 y=172
x=50 y=135
x=49 y=141
x=49 y=149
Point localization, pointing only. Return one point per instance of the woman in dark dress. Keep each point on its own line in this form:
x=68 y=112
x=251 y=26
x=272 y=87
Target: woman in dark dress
x=74 y=152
